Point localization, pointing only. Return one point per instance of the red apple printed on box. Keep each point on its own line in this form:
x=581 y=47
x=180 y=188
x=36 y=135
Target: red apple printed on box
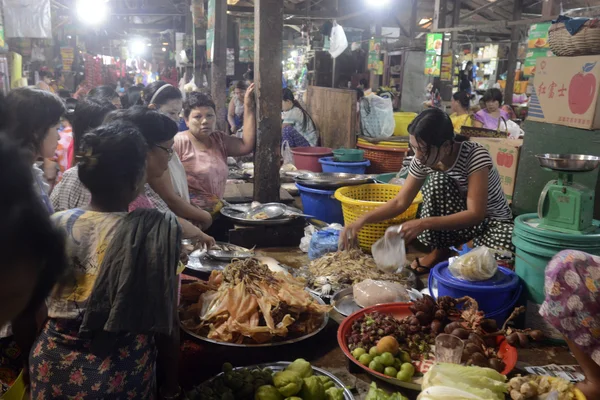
x=582 y=90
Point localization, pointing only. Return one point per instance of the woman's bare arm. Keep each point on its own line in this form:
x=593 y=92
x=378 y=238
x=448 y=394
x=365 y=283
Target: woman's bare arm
x=231 y=115
x=237 y=147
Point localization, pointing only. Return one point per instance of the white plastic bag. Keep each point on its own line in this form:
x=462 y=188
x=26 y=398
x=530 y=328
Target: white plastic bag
x=286 y=153
x=377 y=117
x=514 y=130
x=389 y=252
x=339 y=42
x=477 y=265
x=369 y=293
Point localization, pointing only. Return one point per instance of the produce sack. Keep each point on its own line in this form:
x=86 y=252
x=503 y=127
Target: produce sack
x=323 y=242
x=338 y=42
x=477 y=265
x=370 y=293
x=377 y=117
x=389 y=252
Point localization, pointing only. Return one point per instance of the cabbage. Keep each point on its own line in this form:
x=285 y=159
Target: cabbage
x=479 y=382
x=447 y=393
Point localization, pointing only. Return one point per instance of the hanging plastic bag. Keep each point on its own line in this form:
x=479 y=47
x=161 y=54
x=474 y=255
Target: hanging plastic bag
x=477 y=265
x=339 y=42
x=286 y=153
x=370 y=293
x=514 y=130
x=389 y=252
x=377 y=117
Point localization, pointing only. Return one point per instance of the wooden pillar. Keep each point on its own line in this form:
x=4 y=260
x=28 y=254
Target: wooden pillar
x=550 y=8
x=218 y=71
x=268 y=28
x=414 y=10
x=455 y=23
x=515 y=33
x=439 y=14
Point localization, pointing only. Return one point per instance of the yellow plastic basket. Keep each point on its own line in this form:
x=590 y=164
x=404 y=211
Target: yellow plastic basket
x=18 y=390
x=359 y=200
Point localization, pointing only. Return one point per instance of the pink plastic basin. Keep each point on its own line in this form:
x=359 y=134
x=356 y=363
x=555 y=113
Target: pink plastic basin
x=307 y=158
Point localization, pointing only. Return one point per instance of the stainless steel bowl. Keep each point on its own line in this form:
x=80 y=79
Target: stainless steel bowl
x=332 y=180
x=569 y=162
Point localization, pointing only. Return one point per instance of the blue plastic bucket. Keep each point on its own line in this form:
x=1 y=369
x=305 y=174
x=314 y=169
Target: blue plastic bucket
x=494 y=296
x=322 y=204
x=349 y=167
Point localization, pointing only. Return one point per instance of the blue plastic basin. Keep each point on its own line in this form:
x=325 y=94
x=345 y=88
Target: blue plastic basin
x=349 y=167
x=322 y=204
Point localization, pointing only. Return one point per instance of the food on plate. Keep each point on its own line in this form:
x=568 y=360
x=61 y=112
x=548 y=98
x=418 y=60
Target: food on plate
x=369 y=293
x=248 y=303
x=451 y=381
x=378 y=394
x=388 y=344
x=399 y=367
x=346 y=268
x=537 y=387
x=297 y=381
x=260 y=216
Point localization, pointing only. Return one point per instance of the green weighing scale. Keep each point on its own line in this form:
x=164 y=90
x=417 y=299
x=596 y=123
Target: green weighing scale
x=567 y=206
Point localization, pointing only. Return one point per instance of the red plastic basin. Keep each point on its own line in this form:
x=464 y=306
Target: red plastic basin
x=307 y=158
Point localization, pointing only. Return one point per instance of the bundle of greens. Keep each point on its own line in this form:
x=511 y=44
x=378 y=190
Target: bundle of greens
x=455 y=382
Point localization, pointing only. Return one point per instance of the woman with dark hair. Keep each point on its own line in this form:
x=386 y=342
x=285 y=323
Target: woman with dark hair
x=235 y=113
x=462 y=199
x=461 y=102
x=133 y=97
x=490 y=116
x=107 y=93
x=172 y=187
x=203 y=150
x=45 y=80
x=33 y=119
x=114 y=327
x=298 y=117
x=465 y=78
x=33 y=258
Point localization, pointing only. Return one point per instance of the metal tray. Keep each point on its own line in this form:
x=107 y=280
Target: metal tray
x=343 y=302
x=568 y=162
x=238 y=217
x=228 y=255
x=199 y=260
x=281 y=365
x=290 y=341
x=332 y=179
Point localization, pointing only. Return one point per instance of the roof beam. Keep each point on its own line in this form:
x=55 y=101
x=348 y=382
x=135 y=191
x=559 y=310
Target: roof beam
x=482 y=8
x=496 y=24
x=320 y=14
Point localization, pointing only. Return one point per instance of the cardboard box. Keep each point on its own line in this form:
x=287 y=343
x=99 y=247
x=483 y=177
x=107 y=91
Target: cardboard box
x=505 y=153
x=565 y=92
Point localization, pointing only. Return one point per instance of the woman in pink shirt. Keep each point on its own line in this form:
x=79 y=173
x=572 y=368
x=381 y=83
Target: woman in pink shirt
x=203 y=150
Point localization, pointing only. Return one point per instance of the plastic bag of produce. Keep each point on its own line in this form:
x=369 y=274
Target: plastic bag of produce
x=477 y=265
x=323 y=242
x=389 y=252
x=369 y=293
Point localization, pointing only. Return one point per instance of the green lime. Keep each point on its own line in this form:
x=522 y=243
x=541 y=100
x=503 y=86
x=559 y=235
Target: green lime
x=405 y=357
x=365 y=359
x=378 y=359
x=359 y=351
x=373 y=351
x=397 y=363
x=387 y=359
x=403 y=376
x=390 y=371
x=408 y=368
x=376 y=366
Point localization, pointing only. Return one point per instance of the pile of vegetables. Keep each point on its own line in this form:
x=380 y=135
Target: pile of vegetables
x=452 y=382
x=535 y=387
x=296 y=382
x=378 y=394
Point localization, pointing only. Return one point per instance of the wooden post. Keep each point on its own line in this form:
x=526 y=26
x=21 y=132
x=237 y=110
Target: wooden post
x=218 y=71
x=414 y=10
x=515 y=33
x=268 y=28
x=550 y=8
x=455 y=22
x=439 y=14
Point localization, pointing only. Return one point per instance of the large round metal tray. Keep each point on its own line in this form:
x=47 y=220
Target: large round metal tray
x=290 y=341
x=332 y=180
x=281 y=365
x=200 y=261
x=238 y=217
x=568 y=162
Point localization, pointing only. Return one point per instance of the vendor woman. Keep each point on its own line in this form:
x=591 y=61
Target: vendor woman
x=462 y=199
x=296 y=115
x=490 y=116
x=203 y=150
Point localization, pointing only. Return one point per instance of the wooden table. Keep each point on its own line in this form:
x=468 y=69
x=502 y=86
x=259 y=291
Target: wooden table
x=322 y=350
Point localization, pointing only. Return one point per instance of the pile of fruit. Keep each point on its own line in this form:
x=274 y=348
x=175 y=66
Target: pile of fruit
x=386 y=358
x=416 y=334
x=296 y=382
x=534 y=386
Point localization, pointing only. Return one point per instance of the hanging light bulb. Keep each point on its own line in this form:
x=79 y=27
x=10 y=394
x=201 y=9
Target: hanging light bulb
x=92 y=12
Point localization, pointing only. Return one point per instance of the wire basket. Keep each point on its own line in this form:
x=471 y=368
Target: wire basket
x=585 y=42
x=359 y=200
x=473 y=132
x=383 y=159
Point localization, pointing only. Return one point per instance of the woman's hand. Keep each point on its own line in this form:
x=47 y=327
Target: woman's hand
x=203 y=239
x=249 y=98
x=411 y=229
x=348 y=236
